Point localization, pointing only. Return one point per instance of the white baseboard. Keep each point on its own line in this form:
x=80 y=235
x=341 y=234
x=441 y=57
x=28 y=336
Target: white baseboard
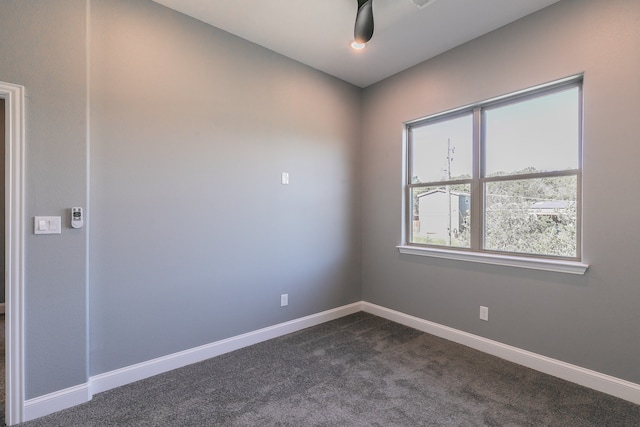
x=119 y=377
x=54 y=402
x=62 y=399
x=595 y=380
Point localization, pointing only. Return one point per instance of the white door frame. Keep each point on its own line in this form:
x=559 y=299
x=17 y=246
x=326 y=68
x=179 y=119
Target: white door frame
x=14 y=97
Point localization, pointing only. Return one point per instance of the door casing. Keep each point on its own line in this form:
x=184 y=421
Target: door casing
x=14 y=98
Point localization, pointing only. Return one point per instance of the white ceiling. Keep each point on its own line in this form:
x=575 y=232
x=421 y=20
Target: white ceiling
x=318 y=32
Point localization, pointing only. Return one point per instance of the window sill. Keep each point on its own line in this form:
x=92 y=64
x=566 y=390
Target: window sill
x=570 y=267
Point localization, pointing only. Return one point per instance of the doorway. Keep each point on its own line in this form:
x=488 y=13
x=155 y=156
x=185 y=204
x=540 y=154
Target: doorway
x=12 y=97
x=2 y=293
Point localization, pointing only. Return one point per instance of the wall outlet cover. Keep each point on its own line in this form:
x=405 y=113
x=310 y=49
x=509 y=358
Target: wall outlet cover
x=484 y=313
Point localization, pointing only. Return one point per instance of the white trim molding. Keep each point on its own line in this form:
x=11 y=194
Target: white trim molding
x=57 y=401
x=63 y=399
x=585 y=377
x=119 y=377
x=558 y=266
x=14 y=97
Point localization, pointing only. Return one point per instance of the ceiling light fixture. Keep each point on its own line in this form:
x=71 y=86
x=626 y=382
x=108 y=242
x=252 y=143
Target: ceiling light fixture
x=363 y=30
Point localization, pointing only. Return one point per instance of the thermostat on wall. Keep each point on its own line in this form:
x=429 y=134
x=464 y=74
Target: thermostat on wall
x=77 y=218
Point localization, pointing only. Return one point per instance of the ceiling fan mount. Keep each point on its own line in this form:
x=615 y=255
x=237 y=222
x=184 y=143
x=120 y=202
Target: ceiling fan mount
x=363 y=30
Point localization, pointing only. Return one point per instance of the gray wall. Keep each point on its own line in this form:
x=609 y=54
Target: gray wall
x=193 y=238
x=42 y=46
x=590 y=320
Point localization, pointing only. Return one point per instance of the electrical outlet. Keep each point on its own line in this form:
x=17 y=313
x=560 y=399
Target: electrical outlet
x=284 y=300
x=484 y=313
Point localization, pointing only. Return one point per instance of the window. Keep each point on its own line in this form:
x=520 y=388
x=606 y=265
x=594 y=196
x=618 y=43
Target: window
x=499 y=177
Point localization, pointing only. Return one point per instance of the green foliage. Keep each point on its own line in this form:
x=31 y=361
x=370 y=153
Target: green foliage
x=514 y=224
x=532 y=216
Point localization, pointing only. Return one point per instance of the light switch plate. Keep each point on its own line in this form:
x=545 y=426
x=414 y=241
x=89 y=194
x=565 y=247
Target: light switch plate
x=284 y=178
x=47 y=225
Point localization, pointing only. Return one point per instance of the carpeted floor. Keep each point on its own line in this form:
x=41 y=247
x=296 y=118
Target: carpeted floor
x=360 y=370
x=2 y=369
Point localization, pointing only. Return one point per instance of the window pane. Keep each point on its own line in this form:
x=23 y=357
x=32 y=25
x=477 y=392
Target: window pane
x=534 y=135
x=533 y=216
x=441 y=215
x=442 y=151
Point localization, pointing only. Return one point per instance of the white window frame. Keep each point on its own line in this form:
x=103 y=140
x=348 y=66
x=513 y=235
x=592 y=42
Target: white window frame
x=477 y=253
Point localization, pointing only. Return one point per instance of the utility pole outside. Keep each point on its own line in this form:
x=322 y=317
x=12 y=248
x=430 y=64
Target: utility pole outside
x=450 y=152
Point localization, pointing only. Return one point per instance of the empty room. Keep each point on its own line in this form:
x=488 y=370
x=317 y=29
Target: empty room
x=227 y=213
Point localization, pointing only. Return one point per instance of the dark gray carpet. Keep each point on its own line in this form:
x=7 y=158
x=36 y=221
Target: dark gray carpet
x=360 y=370
x=2 y=368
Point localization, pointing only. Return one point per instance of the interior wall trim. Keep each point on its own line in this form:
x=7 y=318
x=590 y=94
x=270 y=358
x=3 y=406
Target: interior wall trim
x=585 y=377
x=57 y=401
x=119 y=377
x=63 y=399
x=14 y=96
